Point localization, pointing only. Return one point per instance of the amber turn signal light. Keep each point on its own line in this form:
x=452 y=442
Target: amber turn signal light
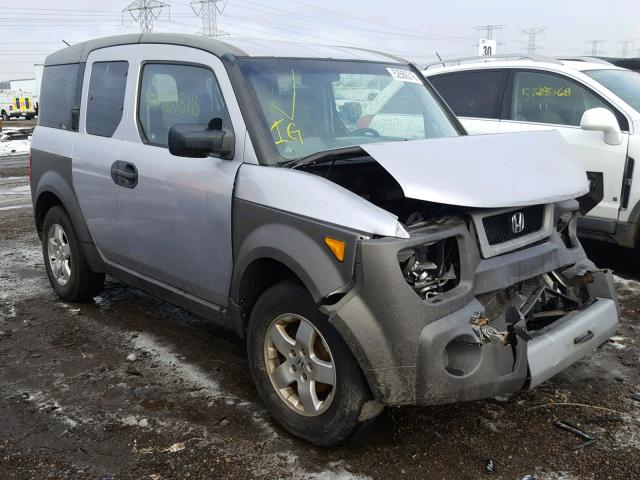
x=336 y=246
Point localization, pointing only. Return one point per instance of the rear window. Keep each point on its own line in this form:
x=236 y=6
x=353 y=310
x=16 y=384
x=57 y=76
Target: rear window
x=61 y=89
x=106 y=97
x=472 y=94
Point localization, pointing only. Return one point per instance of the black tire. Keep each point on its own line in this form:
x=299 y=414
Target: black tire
x=341 y=418
x=5 y=116
x=83 y=283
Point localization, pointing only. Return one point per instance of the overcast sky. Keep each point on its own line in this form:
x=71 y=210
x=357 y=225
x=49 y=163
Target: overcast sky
x=412 y=28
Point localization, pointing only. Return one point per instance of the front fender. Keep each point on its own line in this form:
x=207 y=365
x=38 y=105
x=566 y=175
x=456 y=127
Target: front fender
x=294 y=241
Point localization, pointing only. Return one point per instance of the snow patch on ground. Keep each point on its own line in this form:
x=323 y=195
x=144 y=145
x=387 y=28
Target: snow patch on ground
x=625 y=287
x=188 y=373
x=45 y=403
x=15 y=193
x=15 y=257
x=202 y=382
x=14 y=147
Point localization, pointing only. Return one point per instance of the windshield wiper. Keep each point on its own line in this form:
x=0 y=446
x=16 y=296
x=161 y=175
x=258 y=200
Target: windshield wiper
x=327 y=156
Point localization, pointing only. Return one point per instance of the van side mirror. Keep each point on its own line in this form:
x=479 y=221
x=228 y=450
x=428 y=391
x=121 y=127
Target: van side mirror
x=199 y=141
x=602 y=120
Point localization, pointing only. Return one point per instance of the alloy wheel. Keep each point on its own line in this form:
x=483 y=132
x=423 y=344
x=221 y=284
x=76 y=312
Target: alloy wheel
x=300 y=365
x=59 y=254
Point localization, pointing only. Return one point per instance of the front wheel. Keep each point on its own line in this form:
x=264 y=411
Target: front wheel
x=5 y=116
x=302 y=368
x=66 y=266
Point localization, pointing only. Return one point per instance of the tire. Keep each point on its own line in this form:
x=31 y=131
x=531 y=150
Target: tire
x=5 y=116
x=73 y=280
x=337 y=417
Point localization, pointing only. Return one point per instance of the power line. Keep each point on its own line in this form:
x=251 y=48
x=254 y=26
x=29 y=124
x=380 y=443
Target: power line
x=595 y=51
x=145 y=12
x=208 y=11
x=532 y=33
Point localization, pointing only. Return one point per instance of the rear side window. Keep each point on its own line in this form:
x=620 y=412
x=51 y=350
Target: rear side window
x=174 y=94
x=472 y=94
x=106 y=97
x=60 y=96
x=540 y=97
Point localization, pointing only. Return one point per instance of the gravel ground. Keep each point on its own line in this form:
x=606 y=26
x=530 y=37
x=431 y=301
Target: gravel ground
x=129 y=387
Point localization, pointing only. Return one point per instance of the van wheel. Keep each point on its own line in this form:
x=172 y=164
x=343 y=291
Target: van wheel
x=302 y=368
x=67 y=269
x=5 y=116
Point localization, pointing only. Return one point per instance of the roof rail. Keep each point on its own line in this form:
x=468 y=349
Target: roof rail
x=504 y=56
x=585 y=59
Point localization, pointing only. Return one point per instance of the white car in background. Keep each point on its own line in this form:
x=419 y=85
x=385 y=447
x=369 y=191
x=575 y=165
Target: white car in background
x=592 y=103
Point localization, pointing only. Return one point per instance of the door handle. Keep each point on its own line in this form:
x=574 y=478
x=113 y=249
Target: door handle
x=124 y=174
x=585 y=337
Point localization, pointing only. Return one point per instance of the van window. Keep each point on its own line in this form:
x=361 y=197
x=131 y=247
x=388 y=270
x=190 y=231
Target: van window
x=106 y=97
x=174 y=94
x=472 y=94
x=61 y=89
x=540 y=97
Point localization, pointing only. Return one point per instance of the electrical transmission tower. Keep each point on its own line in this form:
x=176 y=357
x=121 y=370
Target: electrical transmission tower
x=595 y=51
x=208 y=11
x=532 y=33
x=625 y=47
x=489 y=29
x=145 y=12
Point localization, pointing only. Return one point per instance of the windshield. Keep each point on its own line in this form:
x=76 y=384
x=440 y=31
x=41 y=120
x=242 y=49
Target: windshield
x=624 y=83
x=311 y=106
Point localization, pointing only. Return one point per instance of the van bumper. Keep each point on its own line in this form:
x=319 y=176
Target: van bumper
x=569 y=339
x=417 y=352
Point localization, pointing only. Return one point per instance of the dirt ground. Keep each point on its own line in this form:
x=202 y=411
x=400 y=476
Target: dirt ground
x=129 y=387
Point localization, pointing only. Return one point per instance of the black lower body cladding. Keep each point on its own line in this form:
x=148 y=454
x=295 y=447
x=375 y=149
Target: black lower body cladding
x=424 y=352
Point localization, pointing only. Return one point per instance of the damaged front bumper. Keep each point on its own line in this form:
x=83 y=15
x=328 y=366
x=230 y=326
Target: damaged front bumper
x=425 y=351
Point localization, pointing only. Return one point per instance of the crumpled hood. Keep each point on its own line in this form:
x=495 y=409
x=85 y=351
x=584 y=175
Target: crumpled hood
x=484 y=171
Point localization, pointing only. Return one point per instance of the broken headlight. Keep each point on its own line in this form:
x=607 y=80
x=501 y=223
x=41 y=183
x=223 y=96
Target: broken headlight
x=431 y=269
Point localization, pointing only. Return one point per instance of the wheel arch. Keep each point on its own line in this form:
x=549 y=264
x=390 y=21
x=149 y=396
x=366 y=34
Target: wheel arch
x=53 y=191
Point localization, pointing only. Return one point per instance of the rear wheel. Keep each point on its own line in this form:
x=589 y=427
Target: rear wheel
x=5 y=116
x=303 y=370
x=66 y=266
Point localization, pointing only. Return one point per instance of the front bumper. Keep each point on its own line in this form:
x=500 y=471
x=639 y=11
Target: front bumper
x=424 y=352
x=570 y=339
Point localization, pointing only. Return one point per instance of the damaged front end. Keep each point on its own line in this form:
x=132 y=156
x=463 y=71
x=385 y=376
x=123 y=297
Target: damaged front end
x=440 y=318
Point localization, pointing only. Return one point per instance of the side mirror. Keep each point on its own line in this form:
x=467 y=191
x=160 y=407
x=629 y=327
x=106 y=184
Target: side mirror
x=602 y=120
x=199 y=141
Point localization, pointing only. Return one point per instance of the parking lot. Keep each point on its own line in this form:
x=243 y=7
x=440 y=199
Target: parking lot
x=131 y=387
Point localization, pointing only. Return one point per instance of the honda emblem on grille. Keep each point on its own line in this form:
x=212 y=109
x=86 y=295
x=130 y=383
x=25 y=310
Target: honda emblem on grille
x=517 y=222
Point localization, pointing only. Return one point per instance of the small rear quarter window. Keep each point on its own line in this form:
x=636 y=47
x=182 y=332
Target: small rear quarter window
x=61 y=89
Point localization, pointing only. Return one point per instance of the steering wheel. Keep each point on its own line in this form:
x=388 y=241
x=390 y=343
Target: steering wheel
x=366 y=132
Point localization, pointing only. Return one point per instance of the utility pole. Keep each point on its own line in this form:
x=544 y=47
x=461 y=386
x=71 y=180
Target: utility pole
x=533 y=32
x=145 y=12
x=208 y=11
x=625 y=46
x=595 y=51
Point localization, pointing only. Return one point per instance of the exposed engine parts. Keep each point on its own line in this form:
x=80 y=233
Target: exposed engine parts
x=540 y=301
x=431 y=269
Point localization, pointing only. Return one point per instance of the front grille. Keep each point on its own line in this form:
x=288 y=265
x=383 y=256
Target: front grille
x=500 y=228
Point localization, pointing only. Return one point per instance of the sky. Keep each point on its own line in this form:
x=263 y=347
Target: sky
x=413 y=29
